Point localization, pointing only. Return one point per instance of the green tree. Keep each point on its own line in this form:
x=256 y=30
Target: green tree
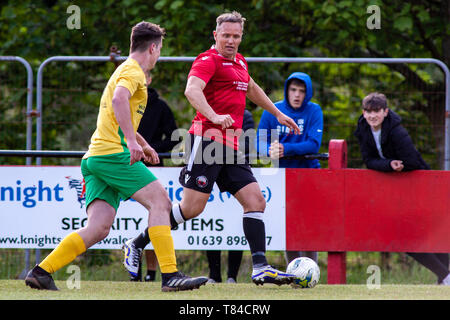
x=36 y=30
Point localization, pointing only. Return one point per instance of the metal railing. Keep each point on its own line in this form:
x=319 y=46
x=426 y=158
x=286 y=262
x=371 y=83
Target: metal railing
x=29 y=112
x=115 y=57
x=29 y=131
x=163 y=155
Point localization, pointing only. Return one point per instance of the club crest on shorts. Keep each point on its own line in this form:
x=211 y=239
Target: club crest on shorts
x=201 y=181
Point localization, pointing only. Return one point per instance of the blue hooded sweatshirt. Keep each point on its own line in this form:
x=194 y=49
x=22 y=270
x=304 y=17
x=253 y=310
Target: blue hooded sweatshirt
x=308 y=117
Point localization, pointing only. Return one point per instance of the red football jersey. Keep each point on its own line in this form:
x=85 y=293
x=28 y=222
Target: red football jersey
x=226 y=89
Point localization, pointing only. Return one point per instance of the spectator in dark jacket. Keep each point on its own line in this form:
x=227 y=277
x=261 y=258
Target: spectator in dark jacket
x=386 y=146
x=157 y=124
x=156 y=127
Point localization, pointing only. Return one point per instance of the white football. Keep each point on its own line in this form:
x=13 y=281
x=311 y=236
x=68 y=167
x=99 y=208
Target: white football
x=306 y=271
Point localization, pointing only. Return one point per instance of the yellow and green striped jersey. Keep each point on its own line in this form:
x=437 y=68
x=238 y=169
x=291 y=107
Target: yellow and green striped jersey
x=108 y=138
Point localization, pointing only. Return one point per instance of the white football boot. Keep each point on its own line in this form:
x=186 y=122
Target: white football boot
x=132 y=257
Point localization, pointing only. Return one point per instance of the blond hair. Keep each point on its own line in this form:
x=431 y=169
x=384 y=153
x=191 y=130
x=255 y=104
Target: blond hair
x=234 y=17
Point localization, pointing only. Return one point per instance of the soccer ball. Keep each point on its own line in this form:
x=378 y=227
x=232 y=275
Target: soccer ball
x=306 y=271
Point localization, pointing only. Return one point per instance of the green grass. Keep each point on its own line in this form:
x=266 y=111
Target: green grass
x=104 y=278
x=121 y=290
x=107 y=265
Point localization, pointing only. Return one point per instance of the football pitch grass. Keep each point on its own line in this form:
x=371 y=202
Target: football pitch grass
x=121 y=290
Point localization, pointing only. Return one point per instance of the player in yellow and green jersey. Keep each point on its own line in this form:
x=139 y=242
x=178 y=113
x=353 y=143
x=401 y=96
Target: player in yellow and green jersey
x=112 y=170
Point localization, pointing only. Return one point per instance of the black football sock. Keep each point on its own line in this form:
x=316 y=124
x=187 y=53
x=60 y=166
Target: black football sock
x=444 y=258
x=142 y=240
x=234 y=262
x=214 y=264
x=151 y=275
x=255 y=232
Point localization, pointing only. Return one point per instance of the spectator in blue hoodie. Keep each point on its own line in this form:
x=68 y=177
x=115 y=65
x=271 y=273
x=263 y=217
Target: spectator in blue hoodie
x=296 y=104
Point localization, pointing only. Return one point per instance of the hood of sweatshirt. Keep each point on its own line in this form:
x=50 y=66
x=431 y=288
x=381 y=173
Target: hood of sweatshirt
x=308 y=84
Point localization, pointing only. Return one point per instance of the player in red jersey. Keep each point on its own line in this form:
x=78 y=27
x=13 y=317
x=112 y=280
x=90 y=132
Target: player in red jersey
x=217 y=87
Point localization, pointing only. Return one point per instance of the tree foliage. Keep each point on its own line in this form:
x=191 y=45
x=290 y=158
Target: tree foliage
x=36 y=30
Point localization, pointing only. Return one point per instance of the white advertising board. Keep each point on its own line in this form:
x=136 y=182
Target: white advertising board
x=39 y=206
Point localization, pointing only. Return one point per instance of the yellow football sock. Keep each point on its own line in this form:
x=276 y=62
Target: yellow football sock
x=66 y=251
x=162 y=241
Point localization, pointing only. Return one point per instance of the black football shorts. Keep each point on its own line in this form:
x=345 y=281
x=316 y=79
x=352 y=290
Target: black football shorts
x=209 y=161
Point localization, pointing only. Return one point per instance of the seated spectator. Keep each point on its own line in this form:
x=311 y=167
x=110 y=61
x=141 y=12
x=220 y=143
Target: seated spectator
x=297 y=104
x=386 y=146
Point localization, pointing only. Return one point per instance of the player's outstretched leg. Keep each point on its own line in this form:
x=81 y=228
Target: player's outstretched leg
x=253 y=203
x=173 y=281
x=256 y=236
x=133 y=248
x=67 y=250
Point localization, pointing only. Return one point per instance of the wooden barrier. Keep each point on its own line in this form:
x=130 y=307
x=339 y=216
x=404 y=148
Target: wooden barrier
x=338 y=210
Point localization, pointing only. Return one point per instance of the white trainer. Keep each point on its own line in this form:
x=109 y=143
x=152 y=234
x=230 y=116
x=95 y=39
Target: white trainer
x=268 y=274
x=132 y=257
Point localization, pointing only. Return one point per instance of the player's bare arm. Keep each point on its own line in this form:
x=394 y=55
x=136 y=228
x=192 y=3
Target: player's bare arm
x=121 y=107
x=150 y=154
x=194 y=94
x=259 y=97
